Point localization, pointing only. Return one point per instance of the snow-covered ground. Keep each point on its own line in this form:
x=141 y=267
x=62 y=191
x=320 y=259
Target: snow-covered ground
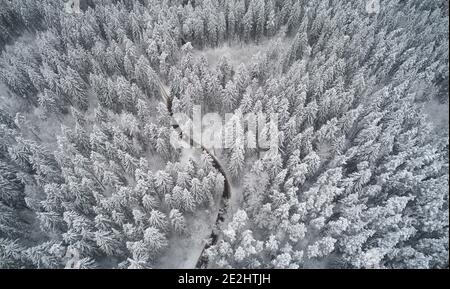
x=237 y=53
x=183 y=253
x=438 y=114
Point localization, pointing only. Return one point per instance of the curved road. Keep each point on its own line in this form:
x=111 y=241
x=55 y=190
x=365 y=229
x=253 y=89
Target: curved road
x=202 y=261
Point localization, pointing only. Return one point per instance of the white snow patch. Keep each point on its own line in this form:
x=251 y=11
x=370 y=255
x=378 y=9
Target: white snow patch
x=236 y=199
x=183 y=253
x=438 y=114
x=239 y=53
x=236 y=54
x=189 y=154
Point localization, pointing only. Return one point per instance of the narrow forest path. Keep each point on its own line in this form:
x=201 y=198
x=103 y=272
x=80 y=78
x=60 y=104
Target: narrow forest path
x=202 y=261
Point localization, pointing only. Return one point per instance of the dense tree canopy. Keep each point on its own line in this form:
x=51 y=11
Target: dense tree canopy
x=89 y=178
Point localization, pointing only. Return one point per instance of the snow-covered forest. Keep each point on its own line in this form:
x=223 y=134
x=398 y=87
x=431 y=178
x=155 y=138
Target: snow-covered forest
x=356 y=177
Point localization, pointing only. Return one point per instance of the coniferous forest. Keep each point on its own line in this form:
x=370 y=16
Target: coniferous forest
x=352 y=173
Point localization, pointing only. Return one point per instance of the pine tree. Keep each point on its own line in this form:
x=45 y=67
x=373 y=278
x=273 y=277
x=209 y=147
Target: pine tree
x=157 y=219
x=177 y=221
x=154 y=240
